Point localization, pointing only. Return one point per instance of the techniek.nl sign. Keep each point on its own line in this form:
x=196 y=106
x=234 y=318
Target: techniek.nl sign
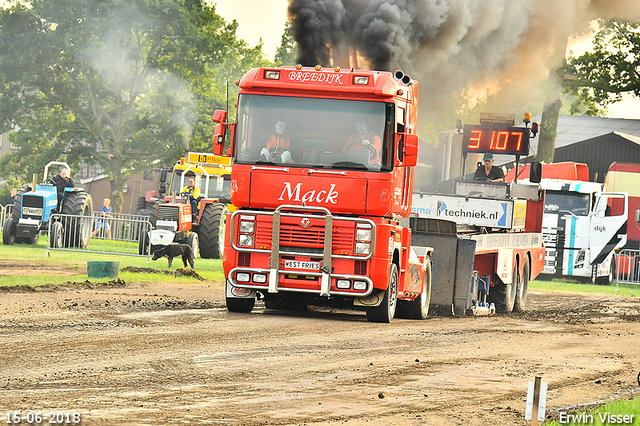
x=464 y=210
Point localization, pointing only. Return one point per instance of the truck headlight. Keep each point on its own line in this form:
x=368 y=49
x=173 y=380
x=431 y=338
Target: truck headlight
x=247 y=227
x=245 y=240
x=343 y=284
x=259 y=278
x=363 y=248
x=242 y=277
x=363 y=235
x=359 y=285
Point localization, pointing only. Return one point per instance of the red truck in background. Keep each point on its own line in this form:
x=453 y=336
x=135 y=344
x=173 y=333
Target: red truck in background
x=625 y=177
x=498 y=226
x=322 y=174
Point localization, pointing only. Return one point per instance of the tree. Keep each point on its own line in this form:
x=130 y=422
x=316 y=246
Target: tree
x=120 y=83
x=287 y=52
x=611 y=69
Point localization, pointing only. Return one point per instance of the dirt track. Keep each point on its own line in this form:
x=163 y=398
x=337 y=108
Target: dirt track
x=167 y=354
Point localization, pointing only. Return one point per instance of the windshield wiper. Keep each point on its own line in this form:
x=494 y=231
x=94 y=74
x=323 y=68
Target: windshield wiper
x=348 y=165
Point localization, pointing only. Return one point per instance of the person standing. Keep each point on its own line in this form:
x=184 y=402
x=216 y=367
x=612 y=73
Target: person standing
x=102 y=223
x=12 y=196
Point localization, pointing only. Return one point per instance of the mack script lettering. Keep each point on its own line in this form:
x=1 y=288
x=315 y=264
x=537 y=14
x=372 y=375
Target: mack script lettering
x=293 y=194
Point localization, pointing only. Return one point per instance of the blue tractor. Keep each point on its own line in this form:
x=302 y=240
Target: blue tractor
x=32 y=210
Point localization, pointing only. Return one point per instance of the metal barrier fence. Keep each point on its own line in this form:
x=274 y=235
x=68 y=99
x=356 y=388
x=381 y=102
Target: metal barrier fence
x=628 y=267
x=122 y=234
x=5 y=213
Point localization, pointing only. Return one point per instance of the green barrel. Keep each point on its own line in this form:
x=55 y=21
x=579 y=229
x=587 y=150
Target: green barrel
x=102 y=269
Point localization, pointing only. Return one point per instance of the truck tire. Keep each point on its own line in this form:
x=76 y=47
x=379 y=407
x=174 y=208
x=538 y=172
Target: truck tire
x=143 y=212
x=505 y=294
x=387 y=308
x=55 y=238
x=140 y=204
x=275 y=303
x=212 y=229
x=143 y=242
x=193 y=241
x=607 y=279
x=240 y=305
x=9 y=231
x=17 y=203
x=419 y=308
x=77 y=231
x=523 y=287
x=32 y=240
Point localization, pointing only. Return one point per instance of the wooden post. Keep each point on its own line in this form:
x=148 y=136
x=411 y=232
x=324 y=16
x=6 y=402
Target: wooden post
x=536 y=401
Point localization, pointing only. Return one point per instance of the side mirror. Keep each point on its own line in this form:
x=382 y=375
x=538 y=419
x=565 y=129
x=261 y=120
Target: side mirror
x=219 y=116
x=535 y=172
x=218 y=139
x=410 y=157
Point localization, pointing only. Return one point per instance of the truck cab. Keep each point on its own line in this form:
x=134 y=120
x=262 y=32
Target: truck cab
x=582 y=226
x=322 y=171
x=582 y=223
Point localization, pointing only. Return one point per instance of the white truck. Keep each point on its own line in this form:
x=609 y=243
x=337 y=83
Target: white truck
x=581 y=228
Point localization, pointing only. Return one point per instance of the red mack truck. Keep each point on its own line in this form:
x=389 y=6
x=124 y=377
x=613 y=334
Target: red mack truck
x=322 y=176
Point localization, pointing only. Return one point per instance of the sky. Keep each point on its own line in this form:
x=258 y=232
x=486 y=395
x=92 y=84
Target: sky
x=256 y=19
x=265 y=19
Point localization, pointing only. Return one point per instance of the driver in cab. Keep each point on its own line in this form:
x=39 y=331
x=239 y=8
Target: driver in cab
x=488 y=171
x=364 y=139
x=193 y=193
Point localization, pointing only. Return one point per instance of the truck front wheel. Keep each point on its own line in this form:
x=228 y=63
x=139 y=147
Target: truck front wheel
x=9 y=232
x=212 y=229
x=607 y=279
x=55 y=236
x=194 y=243
x=240 y=305
x=387 y=308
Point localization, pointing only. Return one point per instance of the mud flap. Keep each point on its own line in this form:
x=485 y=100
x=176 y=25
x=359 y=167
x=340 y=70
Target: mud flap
x=233 y=292
x=462 y=296
x=451 y=264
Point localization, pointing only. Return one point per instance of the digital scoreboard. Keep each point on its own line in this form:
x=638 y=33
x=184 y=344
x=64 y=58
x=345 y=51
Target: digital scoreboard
x=495 y=139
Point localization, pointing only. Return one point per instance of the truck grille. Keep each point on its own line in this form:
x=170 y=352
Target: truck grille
x=360 y=267
x=32 y=203
x=295 y=235
x=550 y=238
x=311 y=240
x=244 y=259
x=169 y=213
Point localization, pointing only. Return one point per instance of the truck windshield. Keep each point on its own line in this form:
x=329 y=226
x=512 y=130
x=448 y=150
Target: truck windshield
x=567 y=203
x=311 y=132
x=219 y=186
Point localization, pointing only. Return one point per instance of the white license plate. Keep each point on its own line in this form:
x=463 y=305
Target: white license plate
x=297 y=264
